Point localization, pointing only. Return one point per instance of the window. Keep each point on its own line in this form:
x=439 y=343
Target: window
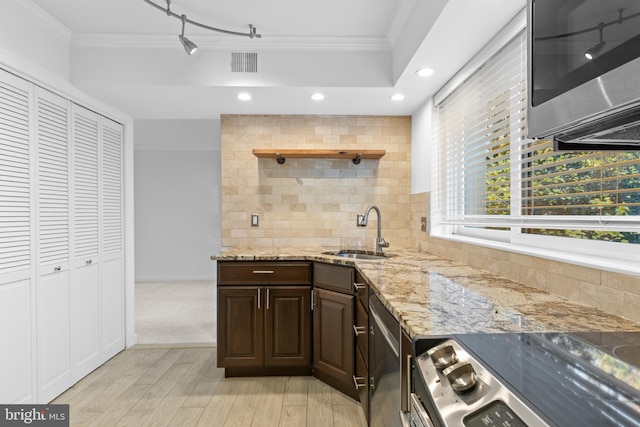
x=495 y=183
x=591 y=184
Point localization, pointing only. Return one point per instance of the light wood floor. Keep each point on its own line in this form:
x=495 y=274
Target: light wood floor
x=181 y=386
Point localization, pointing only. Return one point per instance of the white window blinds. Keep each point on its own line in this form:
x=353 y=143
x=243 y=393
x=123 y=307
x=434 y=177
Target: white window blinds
x=476 y=124
x=491 y=176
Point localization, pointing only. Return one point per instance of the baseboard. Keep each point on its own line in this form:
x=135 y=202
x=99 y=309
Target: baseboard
x=175 y=279
x=175 y=345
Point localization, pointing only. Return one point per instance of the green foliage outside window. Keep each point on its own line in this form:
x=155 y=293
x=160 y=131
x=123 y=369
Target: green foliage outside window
x=585 y=184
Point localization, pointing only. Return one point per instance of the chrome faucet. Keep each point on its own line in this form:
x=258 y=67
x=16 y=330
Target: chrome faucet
x=363 y=220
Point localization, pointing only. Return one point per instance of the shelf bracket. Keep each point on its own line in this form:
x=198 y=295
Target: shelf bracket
x=357 y=159
x=280 y=159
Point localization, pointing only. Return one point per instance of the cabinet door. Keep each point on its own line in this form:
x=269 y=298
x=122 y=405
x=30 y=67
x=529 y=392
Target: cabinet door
x=288 y=326
x=333 y=339
x=240 y=326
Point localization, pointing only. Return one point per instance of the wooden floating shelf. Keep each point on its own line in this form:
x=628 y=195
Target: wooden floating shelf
x=354 y=155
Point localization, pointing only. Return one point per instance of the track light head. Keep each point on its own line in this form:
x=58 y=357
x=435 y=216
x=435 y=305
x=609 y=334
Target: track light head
x=595 y=50
x=189 y=46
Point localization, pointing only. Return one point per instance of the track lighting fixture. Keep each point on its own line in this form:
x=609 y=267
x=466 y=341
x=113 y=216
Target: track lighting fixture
x=595 y=50
x=191 y=47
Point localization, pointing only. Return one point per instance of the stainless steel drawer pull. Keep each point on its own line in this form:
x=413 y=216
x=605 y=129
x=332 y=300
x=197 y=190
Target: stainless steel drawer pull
x=359 y=286
x=259 y=289
x=359 y=384
x=359 y=330
x=262 y=271
x=268 y=298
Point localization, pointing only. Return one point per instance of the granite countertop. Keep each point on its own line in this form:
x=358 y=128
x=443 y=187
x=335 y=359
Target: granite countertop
x=431 y=295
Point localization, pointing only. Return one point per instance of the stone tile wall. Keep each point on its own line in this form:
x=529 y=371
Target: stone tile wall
x=314 y=202
x=611 y=292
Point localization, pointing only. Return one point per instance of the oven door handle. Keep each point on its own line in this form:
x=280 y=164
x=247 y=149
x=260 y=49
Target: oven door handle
x=393 y=343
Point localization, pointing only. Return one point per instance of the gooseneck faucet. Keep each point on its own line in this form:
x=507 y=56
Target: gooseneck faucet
x=363 y=220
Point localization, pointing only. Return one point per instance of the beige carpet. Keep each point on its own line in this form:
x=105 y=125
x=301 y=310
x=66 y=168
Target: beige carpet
x=175 y=312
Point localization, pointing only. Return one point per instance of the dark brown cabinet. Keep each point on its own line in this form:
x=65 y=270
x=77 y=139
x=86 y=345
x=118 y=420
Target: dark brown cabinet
x=362 y=331
x=333 y=327
x=288 y=326
x=240 y=327
x=264 y=322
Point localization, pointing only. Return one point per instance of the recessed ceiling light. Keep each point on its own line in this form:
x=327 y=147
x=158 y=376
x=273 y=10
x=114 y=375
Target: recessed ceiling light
x=425 y=72
x=317 y=96
x=244 y=96
x=397 y=97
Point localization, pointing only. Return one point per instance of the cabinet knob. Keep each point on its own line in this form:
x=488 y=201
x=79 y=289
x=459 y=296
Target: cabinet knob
x=57 y=268
x=89 y=261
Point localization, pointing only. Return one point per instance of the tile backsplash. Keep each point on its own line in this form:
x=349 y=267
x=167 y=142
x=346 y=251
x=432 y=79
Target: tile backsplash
x=314 y=202
x=610 y=292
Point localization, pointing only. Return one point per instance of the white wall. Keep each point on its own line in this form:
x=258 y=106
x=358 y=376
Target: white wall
x=422 y=148
x=177 y=199
x=27 y=31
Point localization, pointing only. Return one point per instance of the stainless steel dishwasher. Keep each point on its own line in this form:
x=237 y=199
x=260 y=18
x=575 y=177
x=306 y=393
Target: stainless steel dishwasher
x=384 y=340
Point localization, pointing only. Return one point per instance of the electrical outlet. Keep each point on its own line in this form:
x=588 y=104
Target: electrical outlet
x=423 y=224
x=360 y=221
x=255 y=220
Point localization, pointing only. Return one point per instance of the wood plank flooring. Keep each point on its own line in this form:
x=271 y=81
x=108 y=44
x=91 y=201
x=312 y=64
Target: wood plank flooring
x=181 y=386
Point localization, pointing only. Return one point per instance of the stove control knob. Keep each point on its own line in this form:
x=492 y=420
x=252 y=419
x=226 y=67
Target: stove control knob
x=461 y=376
x=443 y=355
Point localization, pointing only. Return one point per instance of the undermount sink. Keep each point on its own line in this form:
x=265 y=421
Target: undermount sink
x=357 y=254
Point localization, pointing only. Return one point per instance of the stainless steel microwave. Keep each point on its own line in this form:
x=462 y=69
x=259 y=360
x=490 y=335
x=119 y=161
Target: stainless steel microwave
x=584 y=73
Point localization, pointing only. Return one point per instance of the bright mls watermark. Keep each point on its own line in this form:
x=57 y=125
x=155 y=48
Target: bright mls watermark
x=34 y=415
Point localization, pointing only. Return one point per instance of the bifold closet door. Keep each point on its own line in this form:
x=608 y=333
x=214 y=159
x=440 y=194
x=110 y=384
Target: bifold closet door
x=112 y=276
x=16 y=241
x=52 y=207
x=85 y=201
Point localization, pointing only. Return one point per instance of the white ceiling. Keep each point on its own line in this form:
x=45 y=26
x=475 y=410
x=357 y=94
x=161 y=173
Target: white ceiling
x=357 y=52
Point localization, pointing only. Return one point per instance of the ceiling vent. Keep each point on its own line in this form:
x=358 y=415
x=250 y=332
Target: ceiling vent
x=244 y=62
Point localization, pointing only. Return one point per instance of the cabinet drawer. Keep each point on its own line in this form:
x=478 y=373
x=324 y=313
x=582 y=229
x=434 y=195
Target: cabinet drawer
x=361 y=382
x=264 y=273
x=361 y=328
x=362 y=291
x=334 y=277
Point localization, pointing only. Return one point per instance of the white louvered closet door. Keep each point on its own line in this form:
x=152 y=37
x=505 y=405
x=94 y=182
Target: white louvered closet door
x=52 y=206
x=84 y=297
x=16 y=241
x=112 y=276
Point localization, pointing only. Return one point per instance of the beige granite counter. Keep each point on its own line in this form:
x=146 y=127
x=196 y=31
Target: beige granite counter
x=430 y=295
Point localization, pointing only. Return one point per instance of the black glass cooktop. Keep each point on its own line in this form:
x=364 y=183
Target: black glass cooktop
x=571 y=379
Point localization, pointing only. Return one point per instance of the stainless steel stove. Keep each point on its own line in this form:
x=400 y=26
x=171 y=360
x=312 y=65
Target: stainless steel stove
x=527 y=379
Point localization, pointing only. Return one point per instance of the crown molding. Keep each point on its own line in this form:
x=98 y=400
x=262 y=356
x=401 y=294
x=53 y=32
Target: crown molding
x=227 y=42
x=42 y=19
